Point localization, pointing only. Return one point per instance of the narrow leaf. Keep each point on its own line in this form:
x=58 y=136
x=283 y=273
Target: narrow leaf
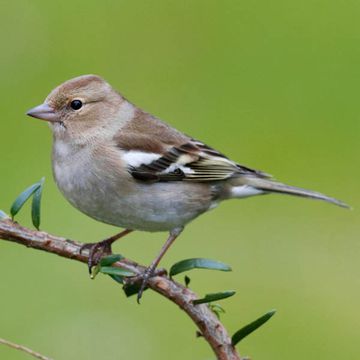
x=217 y=309
x=22 y=198
x=111 y=259
x=248 y=329
x=187 y=280
x=3 y=215
x=214 y=297
x=115 y=271
x=94 y=271
x=36 y=205
x=118 y=278
x=198 y=263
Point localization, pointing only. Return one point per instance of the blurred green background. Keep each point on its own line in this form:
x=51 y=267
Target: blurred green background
x=275 y=86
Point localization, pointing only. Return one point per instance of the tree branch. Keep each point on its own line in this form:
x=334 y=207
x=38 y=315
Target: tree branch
x=208 y=324
x=24 y=349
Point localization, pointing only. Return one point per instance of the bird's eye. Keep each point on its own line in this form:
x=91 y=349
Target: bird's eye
x=76 y=104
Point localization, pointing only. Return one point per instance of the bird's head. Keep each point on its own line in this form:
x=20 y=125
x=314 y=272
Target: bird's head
x=83 y=105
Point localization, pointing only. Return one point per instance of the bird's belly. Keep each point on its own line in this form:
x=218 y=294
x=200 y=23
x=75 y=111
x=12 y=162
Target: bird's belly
x=131 y=204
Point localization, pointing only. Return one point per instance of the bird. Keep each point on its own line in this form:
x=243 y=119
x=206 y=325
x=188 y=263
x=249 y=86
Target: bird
x=125 y=167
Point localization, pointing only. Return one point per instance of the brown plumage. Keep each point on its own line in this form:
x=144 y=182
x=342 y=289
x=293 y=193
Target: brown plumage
x=125 y=167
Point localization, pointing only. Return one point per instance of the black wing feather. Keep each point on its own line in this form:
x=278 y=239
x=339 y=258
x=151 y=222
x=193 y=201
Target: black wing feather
x=202 y=164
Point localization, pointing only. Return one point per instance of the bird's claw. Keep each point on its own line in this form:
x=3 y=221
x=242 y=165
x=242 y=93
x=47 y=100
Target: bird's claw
x=148 y=273
x=96 y=252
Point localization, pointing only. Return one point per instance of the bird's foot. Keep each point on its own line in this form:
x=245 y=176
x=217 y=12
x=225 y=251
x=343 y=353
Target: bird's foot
x=97 y=251
x=148 y=273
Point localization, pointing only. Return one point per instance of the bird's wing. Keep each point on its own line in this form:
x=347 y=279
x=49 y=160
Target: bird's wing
x=154 y=151
x=190 y=161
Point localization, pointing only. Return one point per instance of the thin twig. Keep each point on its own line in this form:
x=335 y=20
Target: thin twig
x=208 y=324
x=24 y=349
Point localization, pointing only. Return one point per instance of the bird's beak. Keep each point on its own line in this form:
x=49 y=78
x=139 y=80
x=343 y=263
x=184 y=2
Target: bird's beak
x=44 y=112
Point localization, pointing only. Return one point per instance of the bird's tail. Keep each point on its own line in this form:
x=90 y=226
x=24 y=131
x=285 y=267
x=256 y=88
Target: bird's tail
x=270 y=186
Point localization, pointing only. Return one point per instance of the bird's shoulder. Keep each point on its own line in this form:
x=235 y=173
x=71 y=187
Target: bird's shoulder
x=147 y=133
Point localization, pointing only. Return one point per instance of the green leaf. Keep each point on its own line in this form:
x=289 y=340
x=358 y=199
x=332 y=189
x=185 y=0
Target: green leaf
x=248 y=329
x=94 y=271
x=36 y=204
x=22 y=198
x=217 y=309
x=118 y=278
x=110 y=270
x=187 y=280
x=198 y=263
x=214 y=297
x=111 y=259
x=3 y=215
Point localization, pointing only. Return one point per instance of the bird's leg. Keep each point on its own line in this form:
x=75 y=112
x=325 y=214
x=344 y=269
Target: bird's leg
x=150 y=270
x=101 y=248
